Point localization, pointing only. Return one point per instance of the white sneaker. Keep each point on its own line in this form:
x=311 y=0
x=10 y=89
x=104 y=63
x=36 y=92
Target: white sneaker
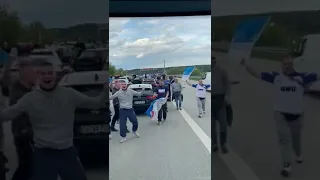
x=136 y=134
x=123 y=140
x=110 y=137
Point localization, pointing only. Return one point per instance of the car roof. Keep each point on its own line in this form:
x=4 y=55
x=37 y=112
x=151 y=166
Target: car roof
x=84 y=78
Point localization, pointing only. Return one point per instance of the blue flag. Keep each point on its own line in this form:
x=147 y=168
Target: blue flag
x=187 y=72
x=249 y=30
x=4 y=56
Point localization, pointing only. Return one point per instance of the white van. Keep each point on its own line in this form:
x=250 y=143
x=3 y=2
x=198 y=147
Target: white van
x=307 y=57
x=207 y=79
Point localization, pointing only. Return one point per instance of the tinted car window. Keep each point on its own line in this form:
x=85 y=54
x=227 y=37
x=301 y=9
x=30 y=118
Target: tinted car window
x=42 y=53
x=89 y=90
x=88 y=54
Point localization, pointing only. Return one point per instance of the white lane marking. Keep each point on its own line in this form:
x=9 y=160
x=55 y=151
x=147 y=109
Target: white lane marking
x=195 y=127
x=234 y=162
x=238 y=167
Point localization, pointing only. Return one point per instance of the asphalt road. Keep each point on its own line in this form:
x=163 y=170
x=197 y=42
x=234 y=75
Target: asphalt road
x=179 y=149
x=255 y=153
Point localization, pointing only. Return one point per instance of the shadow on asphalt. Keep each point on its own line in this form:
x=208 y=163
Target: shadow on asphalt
x=94 y=163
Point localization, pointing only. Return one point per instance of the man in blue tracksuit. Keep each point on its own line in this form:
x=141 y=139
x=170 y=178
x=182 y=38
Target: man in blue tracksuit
x=162 y=91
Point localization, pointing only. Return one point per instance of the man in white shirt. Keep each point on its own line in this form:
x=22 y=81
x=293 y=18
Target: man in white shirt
x=201 y=90
x=288 y=91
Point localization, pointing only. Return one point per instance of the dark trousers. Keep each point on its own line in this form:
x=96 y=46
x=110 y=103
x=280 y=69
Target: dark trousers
x=177 y=97
x=124 y=115
x=24 y=149
x=219 y=114
x=48 y=164
x=3 y=169
x=163 y=112
x=116 y=115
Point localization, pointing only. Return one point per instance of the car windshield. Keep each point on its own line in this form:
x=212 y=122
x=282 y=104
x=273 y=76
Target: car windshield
x=136 y=81
x=148 y=82
x=88 y=54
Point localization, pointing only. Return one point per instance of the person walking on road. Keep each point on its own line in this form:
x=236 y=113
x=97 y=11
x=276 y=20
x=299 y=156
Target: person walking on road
x=50 y=109
x=3 y=158
x=21 y=127
x=220 y=99
x=162 y=91
x=289 y=86
x=177 y=89
x=126 y=111
x=200 y=96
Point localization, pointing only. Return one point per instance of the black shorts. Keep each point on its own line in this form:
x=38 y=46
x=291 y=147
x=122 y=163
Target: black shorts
x=291 y=117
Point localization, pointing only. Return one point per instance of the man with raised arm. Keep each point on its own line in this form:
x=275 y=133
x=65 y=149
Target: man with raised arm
x=126 y=111
x=50 y=109
x=289 y=86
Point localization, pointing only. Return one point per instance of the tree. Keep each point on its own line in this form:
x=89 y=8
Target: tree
x=112 y=70
x=10 y=24
x=196 y=72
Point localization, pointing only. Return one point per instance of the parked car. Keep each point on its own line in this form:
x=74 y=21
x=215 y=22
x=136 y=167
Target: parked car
x=142 y=103
x=91 y=128
x=91 y=60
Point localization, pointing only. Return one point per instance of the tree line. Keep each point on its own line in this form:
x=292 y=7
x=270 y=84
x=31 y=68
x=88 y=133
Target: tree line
x=114 y=71
x=199 y=70
x=282 y=30
x=13 y=30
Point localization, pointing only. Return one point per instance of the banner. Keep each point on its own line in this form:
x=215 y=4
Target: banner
x=244 y=38
x=187 y=72
x=155 y=107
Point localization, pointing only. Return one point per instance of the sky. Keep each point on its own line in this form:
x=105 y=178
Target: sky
x=238 y=7
x=147 y=42
x=60 y=13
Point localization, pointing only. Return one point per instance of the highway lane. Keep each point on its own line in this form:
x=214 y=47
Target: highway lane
x=253 y=136
x=171 y=151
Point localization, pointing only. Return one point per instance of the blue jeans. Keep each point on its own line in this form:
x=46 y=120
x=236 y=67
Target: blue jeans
x=177 y=98
x=124 y=115
x=48 y=164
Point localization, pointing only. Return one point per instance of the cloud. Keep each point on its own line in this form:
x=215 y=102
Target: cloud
x=147 y=42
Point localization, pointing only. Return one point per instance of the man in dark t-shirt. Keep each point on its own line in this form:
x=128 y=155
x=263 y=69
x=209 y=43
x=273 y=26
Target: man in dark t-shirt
x=21 y=128
x=162 y=91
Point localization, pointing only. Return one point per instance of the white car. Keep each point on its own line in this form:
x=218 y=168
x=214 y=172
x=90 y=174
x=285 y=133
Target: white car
x=91 y=126
x=49 y=54
x=142 y=103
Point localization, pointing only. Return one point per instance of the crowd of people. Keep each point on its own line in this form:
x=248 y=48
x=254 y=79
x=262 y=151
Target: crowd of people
x=122 y=98
x=42 y=115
